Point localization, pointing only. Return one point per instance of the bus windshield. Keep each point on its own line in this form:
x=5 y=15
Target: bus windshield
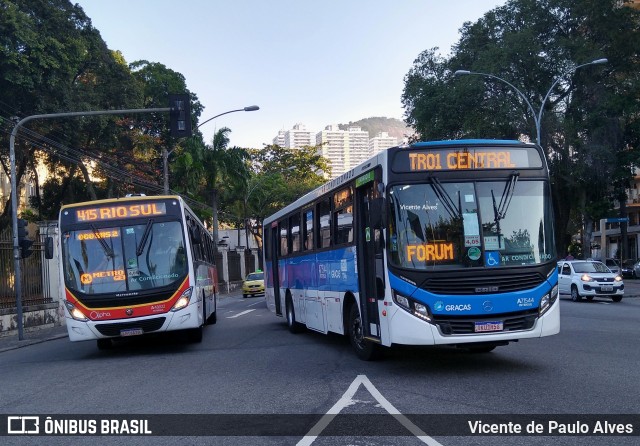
x=470 y=224
x=118 y=259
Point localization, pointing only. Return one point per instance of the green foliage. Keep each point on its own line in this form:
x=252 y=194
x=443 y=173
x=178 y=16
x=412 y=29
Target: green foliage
x=589 y=127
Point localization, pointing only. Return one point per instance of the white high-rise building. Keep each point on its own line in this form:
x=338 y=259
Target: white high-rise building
x=334 y=141
x=279 y=140
x=381 y=141
x=357 y=151
x=297 y=137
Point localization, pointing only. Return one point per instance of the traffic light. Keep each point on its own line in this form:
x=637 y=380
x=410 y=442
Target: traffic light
x=180 y=115
x=23 y=241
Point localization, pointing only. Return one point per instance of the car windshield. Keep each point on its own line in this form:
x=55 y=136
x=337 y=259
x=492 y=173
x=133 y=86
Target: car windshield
x=124 y=258
x=590 y=267
x=255 y=276
x=470 y=224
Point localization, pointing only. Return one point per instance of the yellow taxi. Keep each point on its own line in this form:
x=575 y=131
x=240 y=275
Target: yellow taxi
x=253 y=284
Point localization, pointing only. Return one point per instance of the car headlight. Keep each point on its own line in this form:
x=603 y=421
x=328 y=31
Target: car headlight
x=75 y=312
x=184 y=300
x=618 y=279
x=586 y=278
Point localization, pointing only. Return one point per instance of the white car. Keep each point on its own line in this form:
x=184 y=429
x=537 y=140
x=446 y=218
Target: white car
x=589 y=278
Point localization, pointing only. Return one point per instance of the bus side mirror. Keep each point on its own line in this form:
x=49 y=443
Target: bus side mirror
x=376 y=213
x=48 y=248
x=196 y=238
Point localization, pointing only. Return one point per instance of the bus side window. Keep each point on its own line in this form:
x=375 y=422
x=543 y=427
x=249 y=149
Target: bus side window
x=343 y=217
x=308 y=230
x=324 y=223
x=343 y=224
x=284 y=238
x=295 y=232
x=266 y=241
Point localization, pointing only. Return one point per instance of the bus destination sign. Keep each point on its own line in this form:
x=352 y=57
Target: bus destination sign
x=121 y=211
x=480 y=158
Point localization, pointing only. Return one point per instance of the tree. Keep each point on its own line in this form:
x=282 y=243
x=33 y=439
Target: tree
x=590 y=116
x=279 y=177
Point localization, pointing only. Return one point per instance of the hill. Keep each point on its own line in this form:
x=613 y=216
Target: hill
x=374 y=125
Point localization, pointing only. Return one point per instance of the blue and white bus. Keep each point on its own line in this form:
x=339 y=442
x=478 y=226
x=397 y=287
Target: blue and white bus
x=433 y=243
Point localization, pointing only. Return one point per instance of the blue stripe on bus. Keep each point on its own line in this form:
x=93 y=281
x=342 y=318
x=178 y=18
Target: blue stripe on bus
x=454 y=304
x=334 y=270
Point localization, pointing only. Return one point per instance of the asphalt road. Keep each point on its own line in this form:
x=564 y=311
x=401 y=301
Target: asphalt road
x=249 y=364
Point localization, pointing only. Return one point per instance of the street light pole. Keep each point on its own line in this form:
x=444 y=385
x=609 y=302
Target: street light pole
x=166 y=153
x=537 y=117
x=214 y=192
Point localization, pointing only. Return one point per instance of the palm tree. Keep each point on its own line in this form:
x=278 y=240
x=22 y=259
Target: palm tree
x=225 y=169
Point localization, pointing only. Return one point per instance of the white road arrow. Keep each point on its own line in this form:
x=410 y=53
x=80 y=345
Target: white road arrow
x=347 y=400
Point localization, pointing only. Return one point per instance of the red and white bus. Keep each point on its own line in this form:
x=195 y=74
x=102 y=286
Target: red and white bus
x=135 y=265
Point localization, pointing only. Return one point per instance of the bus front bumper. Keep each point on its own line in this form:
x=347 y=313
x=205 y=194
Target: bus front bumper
x=184 y=319
x=407 y=329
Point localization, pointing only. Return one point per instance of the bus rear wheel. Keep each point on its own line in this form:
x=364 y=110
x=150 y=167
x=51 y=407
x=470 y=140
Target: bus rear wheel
x=365 y=349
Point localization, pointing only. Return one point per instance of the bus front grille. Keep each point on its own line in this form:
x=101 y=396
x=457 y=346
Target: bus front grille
x=450 y=325
x=147 y=325
x=483 y=285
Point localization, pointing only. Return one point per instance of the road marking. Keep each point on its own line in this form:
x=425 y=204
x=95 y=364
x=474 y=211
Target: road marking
x=347 y=400
x=255 y=303
x=240 y=314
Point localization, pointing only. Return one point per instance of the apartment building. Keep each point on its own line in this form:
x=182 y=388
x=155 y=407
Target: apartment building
x=345 y=149
x=298 y=136
x=357 y=149
x=381 y=142
x=334 y=141
x=279 y=140
x=613 y=234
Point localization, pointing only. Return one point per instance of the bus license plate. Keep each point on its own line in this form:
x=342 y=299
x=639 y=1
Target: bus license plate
x=482 y=327
x=132 y=332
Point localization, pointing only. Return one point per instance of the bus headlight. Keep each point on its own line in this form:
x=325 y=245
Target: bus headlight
x=413 y=307
x=184 y=300
x=75 y=313
x=421 y=311
x=547 y=300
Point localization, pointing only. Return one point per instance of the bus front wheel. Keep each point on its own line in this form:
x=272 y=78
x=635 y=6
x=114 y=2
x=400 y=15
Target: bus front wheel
x=365 y=349
x=292 y=324
x=105 y=344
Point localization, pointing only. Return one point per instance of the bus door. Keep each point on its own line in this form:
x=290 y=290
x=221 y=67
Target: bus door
x=369 y=269
x=275 y=241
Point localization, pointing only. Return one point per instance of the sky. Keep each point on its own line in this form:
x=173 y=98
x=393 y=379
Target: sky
x=301 y=61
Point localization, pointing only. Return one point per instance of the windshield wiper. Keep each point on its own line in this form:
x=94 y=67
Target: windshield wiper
x=449 y=204
x=507 y=194
x=500 y=210
x=145 y=236
x=107 y=249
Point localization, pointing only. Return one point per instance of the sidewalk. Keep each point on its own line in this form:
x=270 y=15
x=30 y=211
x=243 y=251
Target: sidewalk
x=32 y=336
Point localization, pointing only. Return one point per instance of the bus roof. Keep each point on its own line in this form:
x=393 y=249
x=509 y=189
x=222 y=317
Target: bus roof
x=497 y=142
